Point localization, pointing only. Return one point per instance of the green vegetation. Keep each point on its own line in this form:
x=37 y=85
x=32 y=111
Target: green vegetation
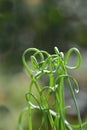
x=24 y=25
x=49 y=100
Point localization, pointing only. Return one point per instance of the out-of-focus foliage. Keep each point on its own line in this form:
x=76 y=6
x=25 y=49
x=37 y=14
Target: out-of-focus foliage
x=14 y=31
x=41 y=24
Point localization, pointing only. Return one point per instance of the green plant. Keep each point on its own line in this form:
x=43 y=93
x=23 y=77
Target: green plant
x=45 y=64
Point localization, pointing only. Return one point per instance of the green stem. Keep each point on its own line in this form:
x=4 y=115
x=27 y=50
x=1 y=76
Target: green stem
x=75 y=102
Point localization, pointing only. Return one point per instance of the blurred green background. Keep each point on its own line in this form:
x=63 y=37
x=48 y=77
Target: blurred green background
x=42 y=24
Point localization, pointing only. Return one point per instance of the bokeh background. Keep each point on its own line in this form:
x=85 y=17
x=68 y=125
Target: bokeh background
x=42 y=24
